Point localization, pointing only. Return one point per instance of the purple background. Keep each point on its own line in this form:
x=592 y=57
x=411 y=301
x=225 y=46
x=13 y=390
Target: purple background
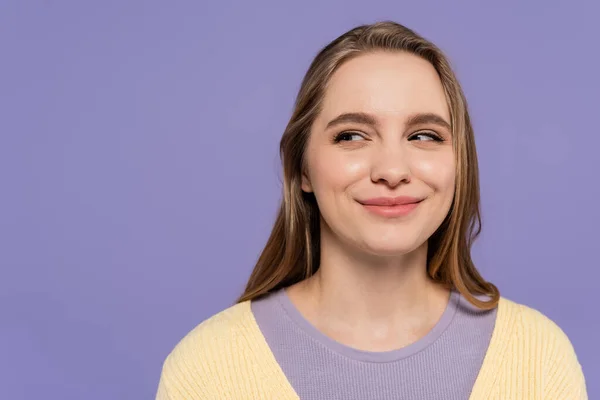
x=139 y=172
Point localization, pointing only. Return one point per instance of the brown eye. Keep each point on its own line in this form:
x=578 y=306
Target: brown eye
x=348 y=137
x=426 y=136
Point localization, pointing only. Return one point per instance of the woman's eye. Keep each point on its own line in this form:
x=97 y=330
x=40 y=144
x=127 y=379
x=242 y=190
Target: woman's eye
x=425 y=136
x=348 y=137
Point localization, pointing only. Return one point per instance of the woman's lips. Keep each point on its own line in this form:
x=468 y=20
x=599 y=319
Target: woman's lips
x=391 y=206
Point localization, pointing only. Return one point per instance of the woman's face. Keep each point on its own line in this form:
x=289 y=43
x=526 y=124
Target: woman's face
x=379 y=159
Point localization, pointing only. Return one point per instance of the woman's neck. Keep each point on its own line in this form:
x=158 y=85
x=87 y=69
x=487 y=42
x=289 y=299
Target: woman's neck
x=366 y=300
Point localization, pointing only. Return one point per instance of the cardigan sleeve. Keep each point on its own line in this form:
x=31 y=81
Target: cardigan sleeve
x=162 y=393
x=564 y=375
x=187 y=371
x=177 y=380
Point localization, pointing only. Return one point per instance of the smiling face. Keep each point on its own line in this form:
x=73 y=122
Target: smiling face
x=380 y=159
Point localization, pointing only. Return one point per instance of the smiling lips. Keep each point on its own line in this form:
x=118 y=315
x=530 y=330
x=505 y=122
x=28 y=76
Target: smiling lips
x=391 y=206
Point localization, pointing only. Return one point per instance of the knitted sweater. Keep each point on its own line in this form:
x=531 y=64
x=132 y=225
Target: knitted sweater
x=227 y=357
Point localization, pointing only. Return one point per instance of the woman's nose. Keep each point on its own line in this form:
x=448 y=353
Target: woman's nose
x=390 y=166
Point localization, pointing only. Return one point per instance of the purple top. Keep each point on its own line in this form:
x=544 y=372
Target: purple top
x=441 y=365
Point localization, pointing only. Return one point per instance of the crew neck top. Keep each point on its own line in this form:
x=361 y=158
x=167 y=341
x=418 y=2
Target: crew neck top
x=443 y=364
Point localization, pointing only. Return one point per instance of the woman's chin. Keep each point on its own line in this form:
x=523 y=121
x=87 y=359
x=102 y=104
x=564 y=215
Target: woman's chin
x=394 y=249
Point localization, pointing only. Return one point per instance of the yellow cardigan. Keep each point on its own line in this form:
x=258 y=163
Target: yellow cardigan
x=227 y=357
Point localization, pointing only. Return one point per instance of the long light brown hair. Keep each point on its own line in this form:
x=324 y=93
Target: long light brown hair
x=292 y=252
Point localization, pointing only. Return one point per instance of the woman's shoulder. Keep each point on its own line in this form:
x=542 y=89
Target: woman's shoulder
x=536 y=342
x=219 y=331
x=531 y=322
x=209 y=354
x=233 y=318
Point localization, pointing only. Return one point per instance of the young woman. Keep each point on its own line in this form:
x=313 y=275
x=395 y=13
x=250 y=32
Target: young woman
x=366 y=288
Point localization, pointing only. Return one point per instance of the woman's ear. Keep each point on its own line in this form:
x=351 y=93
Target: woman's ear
x=306 y=186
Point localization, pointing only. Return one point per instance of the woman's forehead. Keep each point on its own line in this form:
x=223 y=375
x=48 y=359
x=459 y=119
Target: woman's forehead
x=387 y=85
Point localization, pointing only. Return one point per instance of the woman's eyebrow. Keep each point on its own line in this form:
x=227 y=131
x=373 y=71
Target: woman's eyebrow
x=427 y=118
x=356 y=117
x=368 y=119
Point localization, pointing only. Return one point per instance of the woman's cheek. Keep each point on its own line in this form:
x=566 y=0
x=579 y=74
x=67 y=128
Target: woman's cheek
x=337 y=171
x=436 y=171
x=354 y=167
